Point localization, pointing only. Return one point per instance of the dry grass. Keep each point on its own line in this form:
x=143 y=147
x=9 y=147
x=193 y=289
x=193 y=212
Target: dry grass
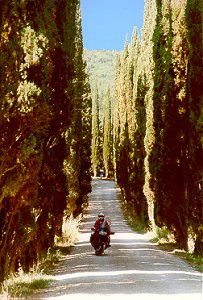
x=70 y=232
x=24 y=284
x=166 y=242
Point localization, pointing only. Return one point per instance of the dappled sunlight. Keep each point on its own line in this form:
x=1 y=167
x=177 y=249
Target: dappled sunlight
x=127 y=243
x=133 y=267
x=123 y=272
x=130 y=236
x=84 y=237
x=134 y=282
x=96 y=296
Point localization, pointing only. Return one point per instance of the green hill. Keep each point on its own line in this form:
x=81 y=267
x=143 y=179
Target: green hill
x=100 y=65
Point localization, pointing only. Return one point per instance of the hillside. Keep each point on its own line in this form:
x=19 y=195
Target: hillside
x=101 y=66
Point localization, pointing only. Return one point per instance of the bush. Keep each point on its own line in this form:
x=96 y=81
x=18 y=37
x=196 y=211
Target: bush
x=23 y=284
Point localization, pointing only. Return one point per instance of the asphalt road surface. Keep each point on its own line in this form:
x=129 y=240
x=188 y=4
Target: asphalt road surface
x=133 y=268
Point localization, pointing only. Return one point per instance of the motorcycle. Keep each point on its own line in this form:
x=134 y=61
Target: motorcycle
x=100 y=240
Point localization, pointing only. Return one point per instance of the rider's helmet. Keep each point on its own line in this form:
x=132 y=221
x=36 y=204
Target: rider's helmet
x=101 y=215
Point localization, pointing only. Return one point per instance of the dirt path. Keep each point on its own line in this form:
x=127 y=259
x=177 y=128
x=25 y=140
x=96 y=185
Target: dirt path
x=132 y=268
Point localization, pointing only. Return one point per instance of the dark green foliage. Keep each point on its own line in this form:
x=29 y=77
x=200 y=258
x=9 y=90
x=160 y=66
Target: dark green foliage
x=175 y=205
x=107 y=135
x=115 y=117
x=78 y=136
x=158 y=136
x=38 y=65
x=136 y=178
x=170 y=117
x=121 y=91
x=123 y=163
x=194 y=21
x=95 y=157
x=129 y=130
x=101 y=65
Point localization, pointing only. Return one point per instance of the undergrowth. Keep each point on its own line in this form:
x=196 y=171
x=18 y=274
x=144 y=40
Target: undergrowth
x=165 y=241
x=162 y=238
x=136 y=224
x=195 y=261
x=24 y=284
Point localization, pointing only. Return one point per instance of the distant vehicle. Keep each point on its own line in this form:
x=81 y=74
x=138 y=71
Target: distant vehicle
x=101 y=173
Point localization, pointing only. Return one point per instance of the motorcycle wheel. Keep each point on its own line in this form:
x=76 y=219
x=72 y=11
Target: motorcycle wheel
x=99 y=250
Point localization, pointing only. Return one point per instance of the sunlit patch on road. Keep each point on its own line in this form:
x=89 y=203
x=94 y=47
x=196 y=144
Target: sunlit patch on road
x=132 y=268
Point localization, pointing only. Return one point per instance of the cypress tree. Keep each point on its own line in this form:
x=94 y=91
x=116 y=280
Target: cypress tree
x=52 y=191
x=150 y=12
x=78 y=135
x=115 y=115
x=171 y=120
x=84 y=153
x=123 y=153
x=131 y=150
x=137 y=122
x=194 y=20
x=37 y=101
x=25 y=117
x=165 y=83
x=95 y=157
x=107 y=134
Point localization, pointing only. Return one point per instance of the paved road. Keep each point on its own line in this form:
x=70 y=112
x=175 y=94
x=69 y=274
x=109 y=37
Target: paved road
x=132 y=268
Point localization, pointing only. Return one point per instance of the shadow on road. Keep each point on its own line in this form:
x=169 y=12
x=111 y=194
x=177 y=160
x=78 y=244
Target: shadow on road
x=132 y=267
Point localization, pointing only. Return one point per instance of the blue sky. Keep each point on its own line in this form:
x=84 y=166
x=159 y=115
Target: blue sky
x=105 y=23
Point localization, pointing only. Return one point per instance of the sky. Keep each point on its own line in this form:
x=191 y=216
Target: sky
x=106 y=23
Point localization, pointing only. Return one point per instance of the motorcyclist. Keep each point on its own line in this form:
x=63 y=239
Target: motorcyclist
x=101 y=223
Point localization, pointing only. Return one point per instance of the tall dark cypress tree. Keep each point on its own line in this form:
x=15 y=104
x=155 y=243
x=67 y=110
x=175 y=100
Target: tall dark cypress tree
x=37 y=101
x=115 y=115
x=78 y=136
x=136 y=126
x=194 y=21
x=53 y=190
x=95 y=157
x=171 y=120
x=130 y=153
x=107 y=134
x=146 y=65
x=123 y=153
x=27 y=106
x=169 y=83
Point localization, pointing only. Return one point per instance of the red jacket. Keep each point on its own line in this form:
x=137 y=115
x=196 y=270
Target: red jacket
x=98 y=224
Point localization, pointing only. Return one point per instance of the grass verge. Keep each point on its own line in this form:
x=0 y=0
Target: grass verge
x=22 y=285
x=165 y=242
x=195 y=261
x=163 y=239
x=135 y=223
